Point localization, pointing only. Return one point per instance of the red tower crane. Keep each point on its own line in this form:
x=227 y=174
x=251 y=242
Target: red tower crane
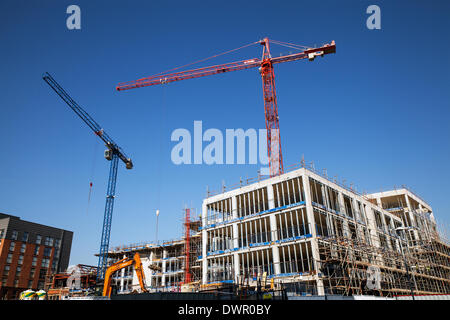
x=265 y=65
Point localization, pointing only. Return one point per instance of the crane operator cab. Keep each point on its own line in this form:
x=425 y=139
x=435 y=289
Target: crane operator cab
x=129 y=164
x=108 y=154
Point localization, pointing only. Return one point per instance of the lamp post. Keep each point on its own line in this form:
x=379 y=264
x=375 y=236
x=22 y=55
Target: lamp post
x=404 y=259
x=157 y=215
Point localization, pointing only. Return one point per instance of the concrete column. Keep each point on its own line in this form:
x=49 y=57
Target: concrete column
x=273 y=231
x=204 y=245
x=151 y=258
x=234 y=207
x=312 y=228
x=235 y=223
x=379 y=203
x=122 y=275
x=372 y=227
x=342 y=209
x=236 y=262
x=272 y=220
x=324 y=196
x=389 y=227
x=270 y=196
x=235 y=235
x=237 y=267
x=426 y=223
x=276 y=259
x=356 y=209
x=329 y=220
x=410 y=211
x=358 y=216
x=411 y=217
x=163 y=278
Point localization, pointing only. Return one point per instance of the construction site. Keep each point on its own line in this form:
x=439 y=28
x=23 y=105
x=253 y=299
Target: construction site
x=313 y=236
x=295 y=233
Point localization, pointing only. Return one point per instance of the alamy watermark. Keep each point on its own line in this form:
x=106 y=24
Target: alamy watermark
x=229 y=148
x=73 y=22
x=374 y=20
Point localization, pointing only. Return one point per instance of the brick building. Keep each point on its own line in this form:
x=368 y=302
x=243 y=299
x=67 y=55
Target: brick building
x=29 y=254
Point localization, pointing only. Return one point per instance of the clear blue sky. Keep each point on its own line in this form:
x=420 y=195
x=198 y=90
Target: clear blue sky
x=376 y=113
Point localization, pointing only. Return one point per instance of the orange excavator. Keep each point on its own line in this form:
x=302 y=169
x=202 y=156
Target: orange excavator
x=135 y=261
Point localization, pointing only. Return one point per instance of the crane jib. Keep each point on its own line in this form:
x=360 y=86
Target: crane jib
x=95 y=127
x=265 y=65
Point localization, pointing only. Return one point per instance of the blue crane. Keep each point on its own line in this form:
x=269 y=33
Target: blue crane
x=113 y=154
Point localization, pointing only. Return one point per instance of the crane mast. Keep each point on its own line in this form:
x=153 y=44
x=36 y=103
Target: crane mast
x=266 y=69
x=271 y=112
x=113 y=154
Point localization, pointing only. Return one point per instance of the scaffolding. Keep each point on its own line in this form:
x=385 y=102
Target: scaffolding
x=319 y=234
x=192 y=247
x=353 y=267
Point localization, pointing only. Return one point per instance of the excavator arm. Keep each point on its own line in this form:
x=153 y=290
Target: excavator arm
x=135 y=261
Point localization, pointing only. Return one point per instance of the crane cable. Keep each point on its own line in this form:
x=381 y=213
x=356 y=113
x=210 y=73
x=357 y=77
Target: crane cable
x=89 y=197
x=290 y=45
x=159 y=178
x=202 y=60
x=92 y=176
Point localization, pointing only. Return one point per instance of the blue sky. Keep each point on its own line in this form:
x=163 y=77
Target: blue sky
x=376 y=113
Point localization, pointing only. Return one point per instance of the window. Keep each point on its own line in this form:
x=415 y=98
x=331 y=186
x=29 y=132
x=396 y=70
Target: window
x=6 y=271
x=23 y=247
x=38 y=239
x=12 y=246
x=2 y=232
x=32 y=272
x=25 y=236
x=45 y=263
x=48 y=241
x=16 y=283
x=30 y=284
x=9 y=258
x=57 y=243
x=54 y=265
x=42 y=273
x=18 y=270
x=41 y=285
x=14 y=235
x=34 y=262
x=4 y=281
x=20 y=261
x=36 y=250
x=47 y=252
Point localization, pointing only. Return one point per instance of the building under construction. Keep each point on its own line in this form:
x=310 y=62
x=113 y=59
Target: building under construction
x=168 y=265
x=76 y=281
x=314 y=236
x=305 y=234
